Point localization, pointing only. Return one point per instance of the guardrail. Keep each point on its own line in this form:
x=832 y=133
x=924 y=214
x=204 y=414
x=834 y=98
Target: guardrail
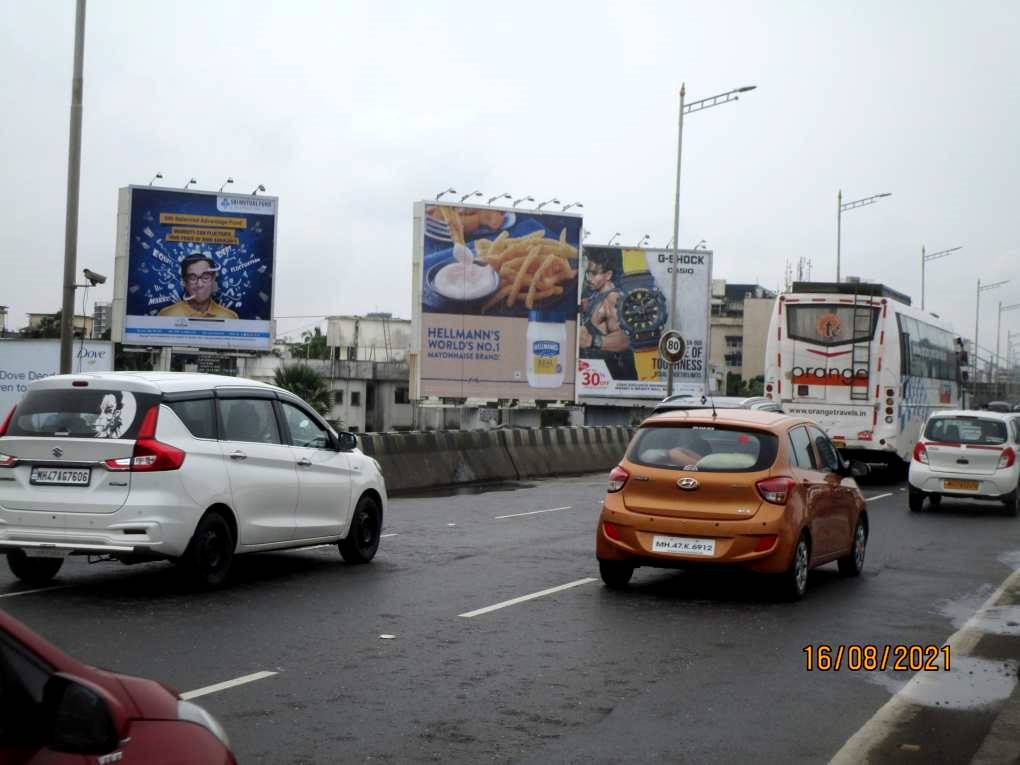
x=422 y=460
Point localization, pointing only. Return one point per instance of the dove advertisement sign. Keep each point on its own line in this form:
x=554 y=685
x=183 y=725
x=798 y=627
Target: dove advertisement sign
x=194 y=268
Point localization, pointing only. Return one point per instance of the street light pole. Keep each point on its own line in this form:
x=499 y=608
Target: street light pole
x=841 y=207
x=73 y=183
x=932 y=256
x=977 y=318
x=998 y=328
x=694 y=106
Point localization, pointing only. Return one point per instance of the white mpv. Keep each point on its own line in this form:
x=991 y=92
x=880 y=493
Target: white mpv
x=967 y=454
x=188 y=467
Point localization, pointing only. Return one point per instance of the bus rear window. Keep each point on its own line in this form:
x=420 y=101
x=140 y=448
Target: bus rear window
x=831 y=324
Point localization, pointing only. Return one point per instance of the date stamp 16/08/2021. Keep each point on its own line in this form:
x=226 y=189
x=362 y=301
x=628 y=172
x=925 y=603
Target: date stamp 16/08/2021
x=876 y=658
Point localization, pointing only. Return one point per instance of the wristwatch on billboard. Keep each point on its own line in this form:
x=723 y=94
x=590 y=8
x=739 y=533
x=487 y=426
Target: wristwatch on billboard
x=643 y=313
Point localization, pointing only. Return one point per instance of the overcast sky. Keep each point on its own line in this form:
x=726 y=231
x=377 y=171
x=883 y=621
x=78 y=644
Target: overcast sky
x=351 y=111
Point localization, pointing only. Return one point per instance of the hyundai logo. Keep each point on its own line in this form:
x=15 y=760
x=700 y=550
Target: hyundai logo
x=688 y=484
x=58 y=452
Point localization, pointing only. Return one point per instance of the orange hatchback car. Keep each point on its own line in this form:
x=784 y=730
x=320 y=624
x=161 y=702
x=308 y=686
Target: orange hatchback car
x=763 y=491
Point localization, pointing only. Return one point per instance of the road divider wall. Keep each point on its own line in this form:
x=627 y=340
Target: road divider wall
x=423 y=460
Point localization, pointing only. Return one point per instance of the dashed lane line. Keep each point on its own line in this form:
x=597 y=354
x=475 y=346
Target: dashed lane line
x=244 y=680
x=31 y=592
x=524 y=598
x=532 y=512
x=878 y=496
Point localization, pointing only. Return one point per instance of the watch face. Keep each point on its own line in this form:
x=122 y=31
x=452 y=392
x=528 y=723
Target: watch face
x=643 y=310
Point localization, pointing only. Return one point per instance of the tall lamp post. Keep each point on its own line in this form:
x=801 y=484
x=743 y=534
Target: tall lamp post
x=928 y=257
x=612 y=238
x=685 y=108
x=842 y=207
x=998 y=330
x=977 y=318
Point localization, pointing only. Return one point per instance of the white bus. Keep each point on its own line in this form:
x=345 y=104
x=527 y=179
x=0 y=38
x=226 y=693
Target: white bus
x=862 y=363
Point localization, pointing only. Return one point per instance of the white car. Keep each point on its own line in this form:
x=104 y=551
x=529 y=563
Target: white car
x=967 y=454
x=193 y=468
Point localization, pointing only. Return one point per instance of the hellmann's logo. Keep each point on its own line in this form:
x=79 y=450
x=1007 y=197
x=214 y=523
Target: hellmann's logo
x=823 y=376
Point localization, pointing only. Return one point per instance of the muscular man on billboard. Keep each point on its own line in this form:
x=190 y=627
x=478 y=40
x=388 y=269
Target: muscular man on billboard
x=198 y=276
x=600 y=334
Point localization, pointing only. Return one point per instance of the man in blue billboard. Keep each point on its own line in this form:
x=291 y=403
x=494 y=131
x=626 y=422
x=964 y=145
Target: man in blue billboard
x=198 y=277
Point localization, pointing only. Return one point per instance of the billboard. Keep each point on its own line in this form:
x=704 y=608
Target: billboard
x=194 y=268
x=495 y=302
x=22 y=362
x=625 y=308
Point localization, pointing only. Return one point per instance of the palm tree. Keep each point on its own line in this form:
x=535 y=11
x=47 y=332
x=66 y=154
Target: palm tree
x=306 y=383
x=312 y=345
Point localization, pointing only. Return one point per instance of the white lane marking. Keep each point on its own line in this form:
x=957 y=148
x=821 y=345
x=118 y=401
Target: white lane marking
x=885 y=720
x=41 y=589
x=533 y=512
x=226 y=684
x=878 y=496
x=394 y=534
x=523 y=598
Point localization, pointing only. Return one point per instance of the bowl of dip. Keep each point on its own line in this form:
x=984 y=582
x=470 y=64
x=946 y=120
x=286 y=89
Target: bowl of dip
x=462 y=287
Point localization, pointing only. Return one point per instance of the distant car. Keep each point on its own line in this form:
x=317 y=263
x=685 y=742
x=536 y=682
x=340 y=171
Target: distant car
x=998 y=406
x=758 y=490
x=60 y=711
x=188 y=467
x=966 y=454
x=686 y=402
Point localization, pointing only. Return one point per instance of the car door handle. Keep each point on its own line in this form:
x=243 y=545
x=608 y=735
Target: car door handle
x=238 y=455
x=304 y=462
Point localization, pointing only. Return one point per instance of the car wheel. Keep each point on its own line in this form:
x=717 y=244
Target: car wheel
x=793 y=583
x=853 y=563
x=915 y=500
x=210 y=552
x=362 y=539
x=1012 y=502
x=935 y=500
x=33 y=570
x=616 y=574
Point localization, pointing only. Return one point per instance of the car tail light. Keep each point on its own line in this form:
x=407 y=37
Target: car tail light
x=7 y=461
x=612 y=530
x=7 y=421
x=920 y=453
x=1007 y=459
x=766 y=543
x=617 y=478
x=149 y=455
x=775 y=490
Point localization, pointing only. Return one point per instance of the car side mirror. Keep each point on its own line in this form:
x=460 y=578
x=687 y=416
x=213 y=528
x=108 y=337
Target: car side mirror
x=348 y=442
x=81 y=717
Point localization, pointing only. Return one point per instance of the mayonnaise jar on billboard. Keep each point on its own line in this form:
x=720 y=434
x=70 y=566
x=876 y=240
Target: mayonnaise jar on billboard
x=863 y=363
x=194 y=268
x=495 y=302
x=624 y=311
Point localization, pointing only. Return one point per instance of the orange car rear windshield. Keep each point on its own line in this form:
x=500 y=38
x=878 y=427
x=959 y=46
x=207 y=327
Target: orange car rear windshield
x=966 y=430
x=707 y=448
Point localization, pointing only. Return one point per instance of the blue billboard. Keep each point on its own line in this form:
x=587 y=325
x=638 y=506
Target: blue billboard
x=196 y=268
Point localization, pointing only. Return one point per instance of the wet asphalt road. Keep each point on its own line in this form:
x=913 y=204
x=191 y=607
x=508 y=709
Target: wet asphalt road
x=682 y=667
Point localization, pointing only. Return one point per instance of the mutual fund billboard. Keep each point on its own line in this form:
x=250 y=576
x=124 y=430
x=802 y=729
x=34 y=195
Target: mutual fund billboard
x=625 y=307
x=495 y=295
x=194 y=268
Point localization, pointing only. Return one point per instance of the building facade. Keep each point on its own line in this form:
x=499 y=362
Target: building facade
x=739 y=325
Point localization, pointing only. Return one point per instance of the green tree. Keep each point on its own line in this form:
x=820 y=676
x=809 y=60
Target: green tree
x=49 y=326
x=312 y=345
x=305 y=382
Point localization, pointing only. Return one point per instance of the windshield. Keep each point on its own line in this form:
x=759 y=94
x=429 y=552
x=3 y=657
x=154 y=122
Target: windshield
x=81 y=413
x=707 y=448
x=966 y=430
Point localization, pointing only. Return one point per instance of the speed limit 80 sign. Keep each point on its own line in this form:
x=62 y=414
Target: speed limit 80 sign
x=671 y=346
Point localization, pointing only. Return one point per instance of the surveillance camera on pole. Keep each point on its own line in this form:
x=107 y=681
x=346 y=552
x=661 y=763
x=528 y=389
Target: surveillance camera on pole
x=93 y=278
